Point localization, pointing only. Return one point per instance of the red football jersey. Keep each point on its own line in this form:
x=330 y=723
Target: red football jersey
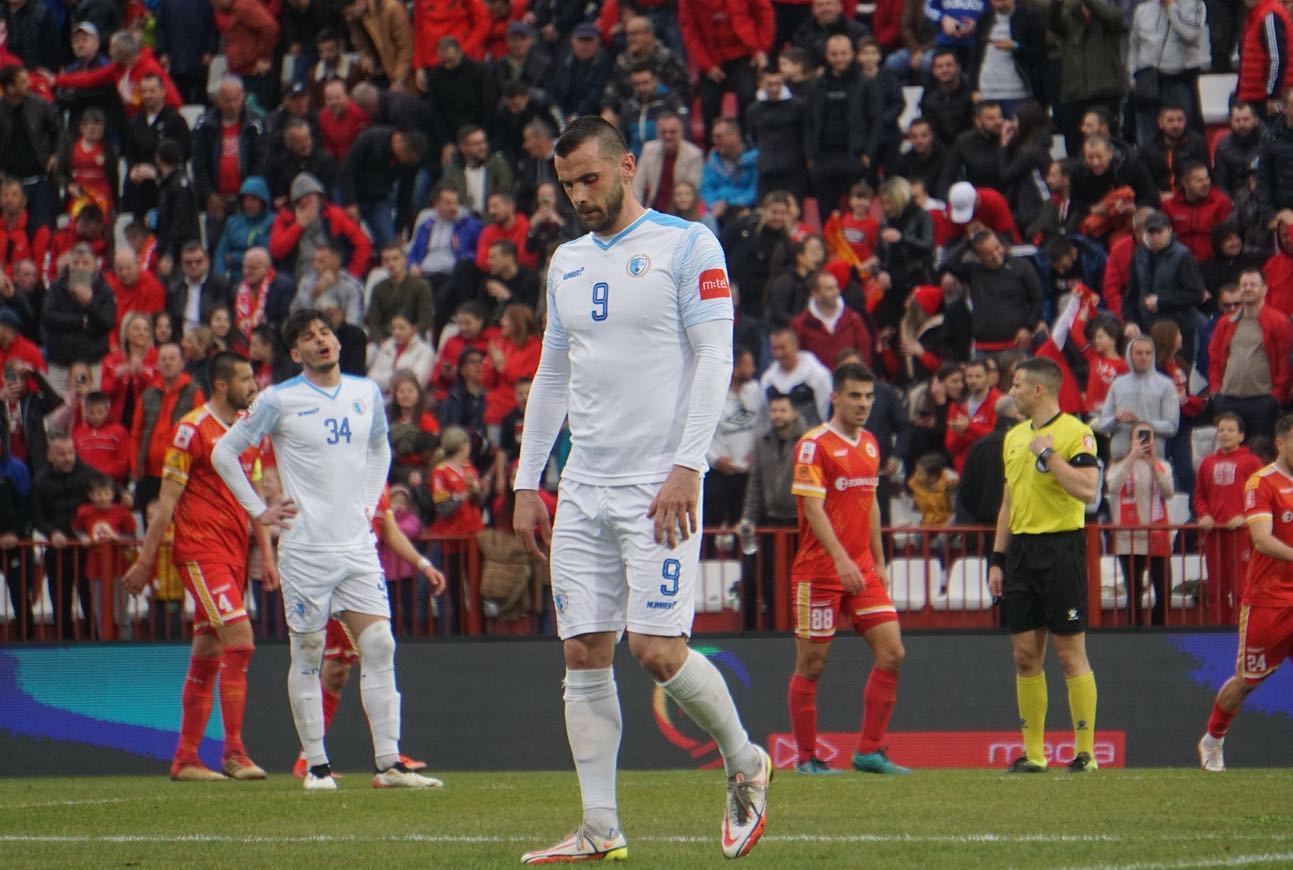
x=845 y=475
x=448 y=482
x=210 y=524
x=1269 y=494
x=104 y=525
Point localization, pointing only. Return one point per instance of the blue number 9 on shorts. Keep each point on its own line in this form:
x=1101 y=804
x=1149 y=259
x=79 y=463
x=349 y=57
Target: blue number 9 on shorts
x=671 y=571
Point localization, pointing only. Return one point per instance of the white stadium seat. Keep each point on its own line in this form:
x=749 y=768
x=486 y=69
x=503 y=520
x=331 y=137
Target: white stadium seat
x=1186 y=568
x=1214 y=96
x=716 y=577
x=910 y=581
x=191 y=112
x=911 y=105
x=967 y=585
x=1113 y=588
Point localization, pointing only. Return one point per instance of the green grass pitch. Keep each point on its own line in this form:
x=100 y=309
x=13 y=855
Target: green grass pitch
x=1144 y=818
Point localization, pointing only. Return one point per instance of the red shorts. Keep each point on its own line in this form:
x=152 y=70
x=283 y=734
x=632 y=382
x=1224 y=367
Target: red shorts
x=338 y=645
x=217 y=594
x=818 y=603
x=1265 y=640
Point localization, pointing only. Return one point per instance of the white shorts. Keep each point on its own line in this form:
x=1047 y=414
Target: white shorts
x=319 y=583
x=608 y=573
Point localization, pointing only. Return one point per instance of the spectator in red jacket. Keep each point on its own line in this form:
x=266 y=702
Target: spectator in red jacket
x=512 y=357
x=972 y=209
x=974 y=416
x=12 y=343
x=1117 y=269
x=134 y=289
x=1197 y=209
x=341 y=121
x=827 y=326
x=250 y=36
x=17 y=240
x=433 y=19
x=131 y=64
x=505 y=222
x=1278 y=270
x=1264 y=68
x=472 y=334
x=311 y=220
x=728 y=41
x=101 y=442
x=1219 y=508
x=131 y=367
x=1249 y=370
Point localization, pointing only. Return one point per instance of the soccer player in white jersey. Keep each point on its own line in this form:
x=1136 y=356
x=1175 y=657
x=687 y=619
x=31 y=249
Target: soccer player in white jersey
x=329 y=437
x=638 y=353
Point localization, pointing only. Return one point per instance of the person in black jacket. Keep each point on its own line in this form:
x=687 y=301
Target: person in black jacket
x=28 y=398
x=459 y=90
x=154 y=123
x=177 y=206
x=1004 y=295
x=18 y=564
x=1020 y=43
x=57 y=492
x=1103 y=170
x=842 y=126
x=29 y=133
x=33 y=34
x=775 y=124
x=757 y=245
x=1172 y=147
x=79 y=314
x=297 y=152
x=892 y=101
x=923 y=161
x=978 y=498
x=827 y=19
x=976 y=155
x=1236 y=156
x=891 y=427
x=378 y=161
x=948 y=100
x=905 y=250
x=218 y=195
x=1164 y=282
x=1275 y=167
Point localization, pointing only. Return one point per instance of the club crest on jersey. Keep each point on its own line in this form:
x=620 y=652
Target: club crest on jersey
x=639 y=265
x=360 y=406
x=1286 y=517
x=870 y=450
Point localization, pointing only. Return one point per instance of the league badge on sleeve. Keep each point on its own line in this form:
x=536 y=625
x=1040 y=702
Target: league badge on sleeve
x=183 y=435
x=807 y=451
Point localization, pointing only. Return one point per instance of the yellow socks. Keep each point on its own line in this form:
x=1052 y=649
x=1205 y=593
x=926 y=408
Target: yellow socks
x=1082 y=697
x=1031 y=693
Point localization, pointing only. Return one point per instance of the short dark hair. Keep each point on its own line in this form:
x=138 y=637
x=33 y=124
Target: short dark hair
x=515 y=88
x=1044 y=370
x=920 y=119
x=981 y=362
x=799 y=55
x=641 y=66
x=1232 y=417
x=851 y=372
x=468 y=353
x=193 y=245
x=100 y=481
x=983 y=105
x=472 y=307
x=9 y=74
x=223 y=366
x=98 y=397
x=1170 y=107
x=946 y=51
x=980 y=237
x=1251 y=270
x=506 y=247
x=327 y=34
x=300 y=320
x=947 y=369
x=1190 y=166
x=1284 y=426
x=417 y=142
x=170 y=152
x=467 y=130
x=1103 y=115
x=1242 y=105
x=592 y=127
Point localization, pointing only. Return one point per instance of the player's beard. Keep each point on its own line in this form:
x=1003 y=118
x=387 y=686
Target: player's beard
x=609 y=213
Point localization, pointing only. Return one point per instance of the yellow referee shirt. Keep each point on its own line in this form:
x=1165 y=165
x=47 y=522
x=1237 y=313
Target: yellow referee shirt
x=1038 y=504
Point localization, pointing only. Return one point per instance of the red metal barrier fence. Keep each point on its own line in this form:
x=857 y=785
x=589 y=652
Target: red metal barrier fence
x=937 y=580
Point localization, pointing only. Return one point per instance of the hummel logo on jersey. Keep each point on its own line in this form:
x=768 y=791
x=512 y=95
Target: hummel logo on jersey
x=1073 y=614
x=661 y=605
x=307 y=412
x=575 y=274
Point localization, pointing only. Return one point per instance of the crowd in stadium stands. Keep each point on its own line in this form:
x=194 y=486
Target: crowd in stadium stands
x=180 y=175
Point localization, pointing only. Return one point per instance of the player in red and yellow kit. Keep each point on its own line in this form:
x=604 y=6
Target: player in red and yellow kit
x=1266 y=616
x=339 y=652
x=210 y=551
x=839 y=568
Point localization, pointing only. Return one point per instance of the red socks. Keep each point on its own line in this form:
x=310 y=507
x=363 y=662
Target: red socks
x=195 y=702
x=233 y=696
x=802 y=701
x=1219 y=721
x=877 y=707
x=330 y=701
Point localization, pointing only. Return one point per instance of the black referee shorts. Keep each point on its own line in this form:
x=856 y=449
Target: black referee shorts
x=1045 y=583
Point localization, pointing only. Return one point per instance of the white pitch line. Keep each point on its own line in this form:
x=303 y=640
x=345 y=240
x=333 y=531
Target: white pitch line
x=469 y=839
x=66 y=803
x=1228 y=861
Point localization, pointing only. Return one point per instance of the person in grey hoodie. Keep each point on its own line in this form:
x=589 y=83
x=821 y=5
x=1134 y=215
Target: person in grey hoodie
x=1142 y=394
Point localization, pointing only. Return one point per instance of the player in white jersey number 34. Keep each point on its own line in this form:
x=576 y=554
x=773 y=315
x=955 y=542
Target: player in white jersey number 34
x=638 y=354
x=330 y=442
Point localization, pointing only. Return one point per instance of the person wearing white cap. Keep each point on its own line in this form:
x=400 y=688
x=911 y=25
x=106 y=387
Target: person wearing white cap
x=972 y=209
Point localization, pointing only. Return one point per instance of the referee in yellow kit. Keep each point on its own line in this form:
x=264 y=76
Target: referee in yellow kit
x=1038 y=564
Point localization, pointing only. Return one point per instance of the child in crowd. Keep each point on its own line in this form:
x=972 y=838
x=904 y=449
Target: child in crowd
x=89 y=165
x=144 y=244
x=457 y=494
x=103 y=443
x=933 y=488
x=102 y=523
x=401 y=577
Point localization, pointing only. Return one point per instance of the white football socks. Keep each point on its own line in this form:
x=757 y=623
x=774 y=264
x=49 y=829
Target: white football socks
x=593 y=727
x=306 y=694
x=699 y=689
x=378 y=693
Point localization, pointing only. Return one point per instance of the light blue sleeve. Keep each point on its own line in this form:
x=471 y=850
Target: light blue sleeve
x=380 y=424
x=554 y=335
x=700 y=272
x=260 y=421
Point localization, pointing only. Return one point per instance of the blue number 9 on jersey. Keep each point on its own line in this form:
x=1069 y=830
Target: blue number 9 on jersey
x=671 y=571
x=337 y=431
x=601 y=295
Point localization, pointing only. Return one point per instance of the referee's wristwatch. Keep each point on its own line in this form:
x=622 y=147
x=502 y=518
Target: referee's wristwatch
x=1043 y=458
